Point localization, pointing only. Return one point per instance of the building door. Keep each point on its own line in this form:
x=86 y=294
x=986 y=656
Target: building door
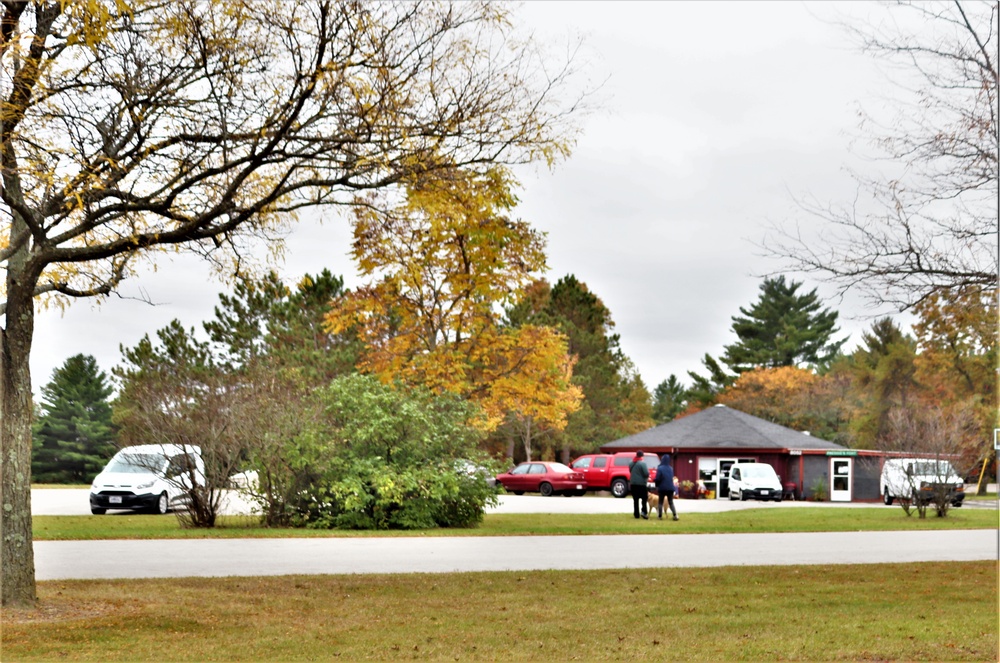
x=708 y=473
x=725 y=464
x=840 y=485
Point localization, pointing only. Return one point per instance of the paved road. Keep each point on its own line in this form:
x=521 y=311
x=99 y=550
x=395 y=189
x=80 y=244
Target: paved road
x=253 y=557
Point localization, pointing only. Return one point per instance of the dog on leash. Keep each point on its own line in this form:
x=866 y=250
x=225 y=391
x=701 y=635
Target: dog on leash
x=654 y=500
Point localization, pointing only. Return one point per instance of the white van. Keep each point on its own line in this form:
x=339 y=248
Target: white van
x=148 y=477
x=756 y=480
x=920 y=478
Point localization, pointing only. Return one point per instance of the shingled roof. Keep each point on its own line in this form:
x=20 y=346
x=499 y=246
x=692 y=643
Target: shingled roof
x=724 y=428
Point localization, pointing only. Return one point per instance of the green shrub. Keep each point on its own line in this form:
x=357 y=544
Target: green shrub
x=382 y=458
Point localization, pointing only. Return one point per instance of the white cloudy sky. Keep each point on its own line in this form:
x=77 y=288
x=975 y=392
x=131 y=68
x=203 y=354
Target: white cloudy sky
x=714 y=115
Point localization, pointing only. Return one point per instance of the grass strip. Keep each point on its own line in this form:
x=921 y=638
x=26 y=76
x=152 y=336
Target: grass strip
x=882 y=612
x=806 y=519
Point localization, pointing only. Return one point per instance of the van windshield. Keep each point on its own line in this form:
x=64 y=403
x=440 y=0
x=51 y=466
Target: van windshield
x=933 y=468
x=135 y=463
x=757 y=471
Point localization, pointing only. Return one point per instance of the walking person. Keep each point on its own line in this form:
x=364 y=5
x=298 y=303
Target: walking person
x=665 y=485
x=638 y=477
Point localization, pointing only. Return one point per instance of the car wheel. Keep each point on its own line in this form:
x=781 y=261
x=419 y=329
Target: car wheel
x=580 y=493
x=743 y=496
x=732 y=495
x=619 y=487
x=545 y=489
x=97 y=511
x=956 y=504
x=162 y=505
x=778 y=498
x=887 y=498
x=518 y=492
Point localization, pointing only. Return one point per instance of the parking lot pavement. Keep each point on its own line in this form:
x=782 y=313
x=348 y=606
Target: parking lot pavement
x=76 y=502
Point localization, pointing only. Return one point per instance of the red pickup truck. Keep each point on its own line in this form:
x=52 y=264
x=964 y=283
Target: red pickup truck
x=610 y=471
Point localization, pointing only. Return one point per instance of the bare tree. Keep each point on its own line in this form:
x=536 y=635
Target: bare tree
x=936 y=437
x=931 y=225
x=131 y=128
x=175 y=394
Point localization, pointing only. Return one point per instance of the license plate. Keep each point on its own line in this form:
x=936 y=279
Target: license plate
x=115 y=499
x=763 y=492
x=579 y=486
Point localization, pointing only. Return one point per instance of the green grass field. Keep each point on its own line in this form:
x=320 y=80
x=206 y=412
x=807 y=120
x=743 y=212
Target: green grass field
x=806 y=519
x=886 y=612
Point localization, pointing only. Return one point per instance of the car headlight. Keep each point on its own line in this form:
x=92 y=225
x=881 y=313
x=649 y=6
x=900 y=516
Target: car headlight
x=148 y=484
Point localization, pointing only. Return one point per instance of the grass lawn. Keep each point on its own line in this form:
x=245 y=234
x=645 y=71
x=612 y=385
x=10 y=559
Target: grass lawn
x=806 y=519
x=884 y=612
x=985 y=497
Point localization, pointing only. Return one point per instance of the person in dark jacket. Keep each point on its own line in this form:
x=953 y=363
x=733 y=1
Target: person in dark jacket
x=665 y=485
x=638 y=477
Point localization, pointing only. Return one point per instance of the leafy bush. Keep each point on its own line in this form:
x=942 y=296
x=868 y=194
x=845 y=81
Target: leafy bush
x=380 y=458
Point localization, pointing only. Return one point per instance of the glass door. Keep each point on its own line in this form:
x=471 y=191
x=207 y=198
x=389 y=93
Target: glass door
x=840 y=486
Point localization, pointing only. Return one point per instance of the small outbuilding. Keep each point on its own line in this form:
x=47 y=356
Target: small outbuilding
x=703 y=446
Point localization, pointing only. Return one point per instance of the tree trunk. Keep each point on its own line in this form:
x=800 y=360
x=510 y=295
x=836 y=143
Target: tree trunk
x=526 y=438
x=16 y=555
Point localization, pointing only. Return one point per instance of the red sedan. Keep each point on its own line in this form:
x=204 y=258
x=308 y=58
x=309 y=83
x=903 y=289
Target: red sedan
x=544 y=478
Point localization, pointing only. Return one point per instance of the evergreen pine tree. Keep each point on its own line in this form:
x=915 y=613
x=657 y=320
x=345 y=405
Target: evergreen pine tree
x=669 y=400
x=782 y=328
x=73 y=435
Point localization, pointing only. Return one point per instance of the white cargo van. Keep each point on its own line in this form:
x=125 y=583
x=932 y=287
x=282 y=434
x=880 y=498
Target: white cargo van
x=920 y=479
x=756 y=480
x=149 y=477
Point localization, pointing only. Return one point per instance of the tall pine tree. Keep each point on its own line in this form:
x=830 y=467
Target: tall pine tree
x=669 y=399
x=783 y=328
x=73 y=436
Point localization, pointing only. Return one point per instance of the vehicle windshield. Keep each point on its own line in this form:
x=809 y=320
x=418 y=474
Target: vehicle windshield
x=135 y=463
x=933 y=468
x=757 y=471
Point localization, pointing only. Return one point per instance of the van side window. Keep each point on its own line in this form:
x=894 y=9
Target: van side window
x=179 y=465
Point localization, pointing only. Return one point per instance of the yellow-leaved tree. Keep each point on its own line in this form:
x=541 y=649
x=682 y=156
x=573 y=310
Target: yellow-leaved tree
x=443 y=263
x=133 y=127
x=794 y=397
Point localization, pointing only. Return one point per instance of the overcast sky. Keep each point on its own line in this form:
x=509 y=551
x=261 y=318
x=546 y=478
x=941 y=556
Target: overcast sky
x=714 y=115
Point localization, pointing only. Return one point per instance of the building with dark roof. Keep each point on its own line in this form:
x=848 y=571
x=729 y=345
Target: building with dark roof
x=703 y=446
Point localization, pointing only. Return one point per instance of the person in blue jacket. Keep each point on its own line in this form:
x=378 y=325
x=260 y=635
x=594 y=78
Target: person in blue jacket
x=664 y=483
